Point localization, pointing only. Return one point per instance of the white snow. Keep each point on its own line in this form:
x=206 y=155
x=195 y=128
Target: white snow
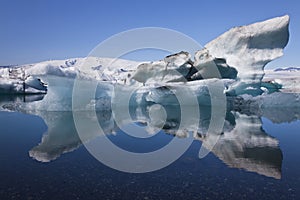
x=106 y=69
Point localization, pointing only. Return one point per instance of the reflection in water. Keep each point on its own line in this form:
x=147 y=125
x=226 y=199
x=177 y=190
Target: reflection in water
x=62 y=137
x=243 y=143
x=21 y=98
x=248 y=146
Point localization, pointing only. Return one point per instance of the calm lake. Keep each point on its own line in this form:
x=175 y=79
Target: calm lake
x=40 y=161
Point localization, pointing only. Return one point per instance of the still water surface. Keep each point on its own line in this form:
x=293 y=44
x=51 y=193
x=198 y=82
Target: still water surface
x=41 y=162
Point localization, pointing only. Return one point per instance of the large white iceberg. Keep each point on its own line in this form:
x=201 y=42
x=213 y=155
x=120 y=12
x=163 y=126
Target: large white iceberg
x=239 y=54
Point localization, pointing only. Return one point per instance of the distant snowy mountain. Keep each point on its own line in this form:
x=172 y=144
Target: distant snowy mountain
x=287 y=77
x=8 y=66
x=290 y=69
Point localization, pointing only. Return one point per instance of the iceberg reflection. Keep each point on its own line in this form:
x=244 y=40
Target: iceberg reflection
x=248 y=146
x=242 y=144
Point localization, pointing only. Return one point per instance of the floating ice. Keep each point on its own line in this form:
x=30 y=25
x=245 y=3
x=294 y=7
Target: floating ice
x=238 y=57
x=15 y=81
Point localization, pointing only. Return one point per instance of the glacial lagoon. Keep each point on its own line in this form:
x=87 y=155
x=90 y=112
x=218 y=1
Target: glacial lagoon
x=255 y=158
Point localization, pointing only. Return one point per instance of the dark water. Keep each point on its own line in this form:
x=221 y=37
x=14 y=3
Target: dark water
x=253 y=172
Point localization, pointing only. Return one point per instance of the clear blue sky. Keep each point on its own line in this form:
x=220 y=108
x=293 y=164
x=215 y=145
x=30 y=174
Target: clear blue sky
x=37 y=30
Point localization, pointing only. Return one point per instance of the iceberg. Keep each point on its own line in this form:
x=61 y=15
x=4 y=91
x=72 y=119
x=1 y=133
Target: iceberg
x=237 y=58
x=227 y=75
x=148 y=93
x=232 y=64
x=240 y=54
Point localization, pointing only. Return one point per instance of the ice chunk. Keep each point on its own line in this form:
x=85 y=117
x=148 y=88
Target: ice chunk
x=15 y=81
x=205 y=65
x=33 y=85
x=174 y=68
